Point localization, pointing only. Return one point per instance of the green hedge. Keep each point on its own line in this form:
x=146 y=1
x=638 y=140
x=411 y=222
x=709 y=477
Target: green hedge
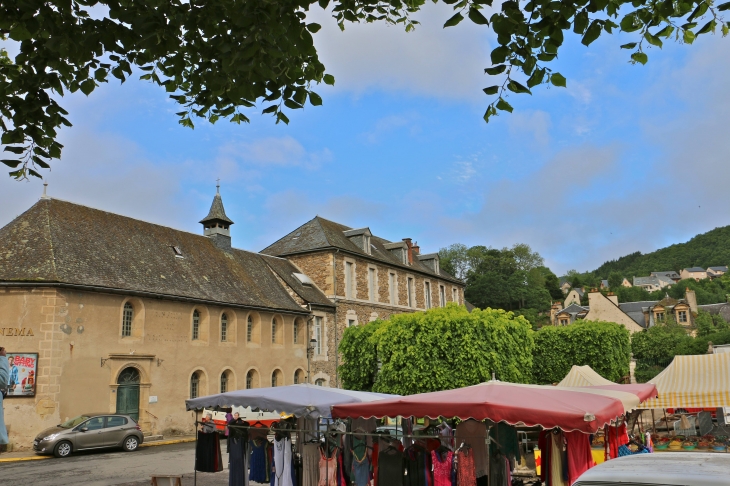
x=604 y=346
x=440 y=349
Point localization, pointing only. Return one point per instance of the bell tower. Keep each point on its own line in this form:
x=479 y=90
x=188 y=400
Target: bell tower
x=216 y=225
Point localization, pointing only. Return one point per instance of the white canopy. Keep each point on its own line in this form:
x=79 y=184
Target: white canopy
x=302 y=400
x=584 y=376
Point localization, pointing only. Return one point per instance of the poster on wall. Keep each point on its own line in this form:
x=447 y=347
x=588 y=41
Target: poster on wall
x=23 y=371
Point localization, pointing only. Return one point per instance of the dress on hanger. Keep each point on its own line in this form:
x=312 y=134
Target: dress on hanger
x=310 y=465
x=327 y=469
x=442 y=468
x=466 y=474
x=390 y=467
x=556 y=460
x=282 y=462
x=258 y=469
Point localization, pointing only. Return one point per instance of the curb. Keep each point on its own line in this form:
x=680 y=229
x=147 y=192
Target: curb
x=167 y=442
x=29 y=458
x=149 y=444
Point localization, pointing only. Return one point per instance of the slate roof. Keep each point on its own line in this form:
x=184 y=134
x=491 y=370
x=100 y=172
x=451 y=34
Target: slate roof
x=574 y=309
x=286 y=270
x=635 y=310
x=722 y=309
x=695 y=269
x=669 y=274
x=719 y=269
x=322 y=234
x=653 y=280
x=61 y=242
x=216 y=211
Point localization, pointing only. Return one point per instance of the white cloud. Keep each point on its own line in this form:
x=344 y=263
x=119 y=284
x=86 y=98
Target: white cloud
x=536 y=123
x=271 y=152
x=433 y=61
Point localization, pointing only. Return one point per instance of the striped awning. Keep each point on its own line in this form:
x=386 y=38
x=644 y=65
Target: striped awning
x=583 y=376
x=695 y=381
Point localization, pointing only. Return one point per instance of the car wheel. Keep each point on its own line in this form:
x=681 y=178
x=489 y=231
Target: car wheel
x=130 y=444
x=63 y=449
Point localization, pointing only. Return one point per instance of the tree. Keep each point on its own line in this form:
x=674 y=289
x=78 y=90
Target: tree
x=615 y=279
x=552 y=284
x=604 y=346
x=455 y=260
x=440 y=349
x=219 y=56
x=574 y=278
x=655 y=348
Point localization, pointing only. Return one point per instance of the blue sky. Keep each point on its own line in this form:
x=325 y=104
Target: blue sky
x=626 y=158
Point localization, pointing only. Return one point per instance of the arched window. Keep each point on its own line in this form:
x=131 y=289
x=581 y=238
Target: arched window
x=273 y=379
x=319 y=382
x=224 y=382
x=127 y=315
x=224 y=328
x=194 y=385
x=249 y=380
x=296 y=330
x=249 y=329
x=196 y=325
x=273 y=330
x=277 y=379
x=298 y=376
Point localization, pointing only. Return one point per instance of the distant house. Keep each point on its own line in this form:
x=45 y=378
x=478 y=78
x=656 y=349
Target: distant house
x=568 y=315
x=624 y=283
x=697 y=273
x=604 y=284
x=565 y=285
x=722 y=310
x=715 y=272
x=653 y=283
x=671 y=274
x=574 y=297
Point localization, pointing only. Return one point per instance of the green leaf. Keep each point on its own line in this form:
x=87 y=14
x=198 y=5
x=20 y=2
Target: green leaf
x=270 y=109
x=281 y=117
x=516 y=87
x=688 y=36
x=653 y=40
x=557 y=79
x=699 y=11
x=580 y=22
x=504 y=106
x=629 y=23
x=20 y=33
x=313 y=28
x=724 y=6
x=536 y=78
x=493 y=71
x=665 y=32
x=15 y=150
x=639 y=57
x=454 y=20
x=10 y=163
x=292 y=104
x=500 y=54
x=630 y=45
x=329 y=79
x=592 y=33
x=709 y=26
x=492 y=90
x=315 y=99
x=476 y=16
x=87 y=86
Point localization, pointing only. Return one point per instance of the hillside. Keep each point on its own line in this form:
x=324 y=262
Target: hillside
x=705 y=250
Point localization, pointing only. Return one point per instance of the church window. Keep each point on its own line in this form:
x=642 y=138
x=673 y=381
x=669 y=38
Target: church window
x=295 y=330
x=196 y=325
x=194 y=385
x=224 y=382
x=127 y=315
x=273 y=330
x=319 y=382
x=249 y=329
x=224 y=328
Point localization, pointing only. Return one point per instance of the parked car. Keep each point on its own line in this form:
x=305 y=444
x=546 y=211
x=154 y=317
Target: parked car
x=666 y=469
x=90 y=431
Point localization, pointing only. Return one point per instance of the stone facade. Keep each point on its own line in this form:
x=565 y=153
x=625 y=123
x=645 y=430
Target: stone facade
x=77 y=336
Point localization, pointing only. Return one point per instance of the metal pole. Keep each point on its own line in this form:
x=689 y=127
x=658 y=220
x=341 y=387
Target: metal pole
x=488 y=441
x=653 y=422
x=195 y=473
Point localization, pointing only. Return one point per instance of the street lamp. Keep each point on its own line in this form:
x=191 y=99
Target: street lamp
x=310 y=351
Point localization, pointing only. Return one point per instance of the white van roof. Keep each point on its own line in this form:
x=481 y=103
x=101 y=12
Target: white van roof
x=661 y=468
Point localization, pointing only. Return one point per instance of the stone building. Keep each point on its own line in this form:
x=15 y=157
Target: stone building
x=129 y=316
x=132 y=317
x=366 y=277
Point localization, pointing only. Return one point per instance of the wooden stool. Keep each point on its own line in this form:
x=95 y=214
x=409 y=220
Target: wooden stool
x=172 y=480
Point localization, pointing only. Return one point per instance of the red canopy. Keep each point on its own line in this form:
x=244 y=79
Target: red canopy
x=586 y=409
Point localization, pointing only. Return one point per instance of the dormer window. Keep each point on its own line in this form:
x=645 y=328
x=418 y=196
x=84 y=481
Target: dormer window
x=177 y=251
x=361 y=238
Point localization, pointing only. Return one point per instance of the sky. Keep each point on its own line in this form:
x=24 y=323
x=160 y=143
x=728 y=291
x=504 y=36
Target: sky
x=626 y=158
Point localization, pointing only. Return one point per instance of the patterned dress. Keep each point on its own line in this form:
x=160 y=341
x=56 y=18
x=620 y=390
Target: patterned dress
x=466 y=473
x=442 y=468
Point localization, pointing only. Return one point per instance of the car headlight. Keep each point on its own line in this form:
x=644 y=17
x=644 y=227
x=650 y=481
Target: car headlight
x=50 y=437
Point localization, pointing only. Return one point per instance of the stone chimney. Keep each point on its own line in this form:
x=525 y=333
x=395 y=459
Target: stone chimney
x=691 y=298
x=416 y=249
x=613 y=298
x=554 y=309
x=409 y=252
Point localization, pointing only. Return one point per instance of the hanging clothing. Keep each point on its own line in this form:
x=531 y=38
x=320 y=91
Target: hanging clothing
x=465 y=471
x=259 y=467
x=445 y=432
x=327 y=469
x=616 y=436
x=442 y=467
x=474 y=434
x=498 y=473
x=310 y=465
x=283 y=462
x=390 y=467
x=543 y=443
x=580 y=457
x=415 y=466
x=208 y=453
x=237 y=461
x=506 y=437
x=557 y=475
x=360 y=467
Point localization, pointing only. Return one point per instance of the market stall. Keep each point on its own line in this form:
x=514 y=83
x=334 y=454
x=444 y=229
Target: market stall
x=566 y=415
x=583 y=376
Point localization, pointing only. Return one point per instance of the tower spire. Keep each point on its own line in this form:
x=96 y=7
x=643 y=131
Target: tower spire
x=216 y=225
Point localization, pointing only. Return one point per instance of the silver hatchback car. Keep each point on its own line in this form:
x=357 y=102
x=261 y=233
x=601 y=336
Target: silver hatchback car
x=90 y=431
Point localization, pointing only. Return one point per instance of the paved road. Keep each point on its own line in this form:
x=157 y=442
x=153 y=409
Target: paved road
x=111 y=468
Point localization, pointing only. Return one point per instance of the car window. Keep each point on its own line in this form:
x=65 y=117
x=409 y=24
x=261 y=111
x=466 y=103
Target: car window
x=95 y=424
x=73 y=422
x=115 y=421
